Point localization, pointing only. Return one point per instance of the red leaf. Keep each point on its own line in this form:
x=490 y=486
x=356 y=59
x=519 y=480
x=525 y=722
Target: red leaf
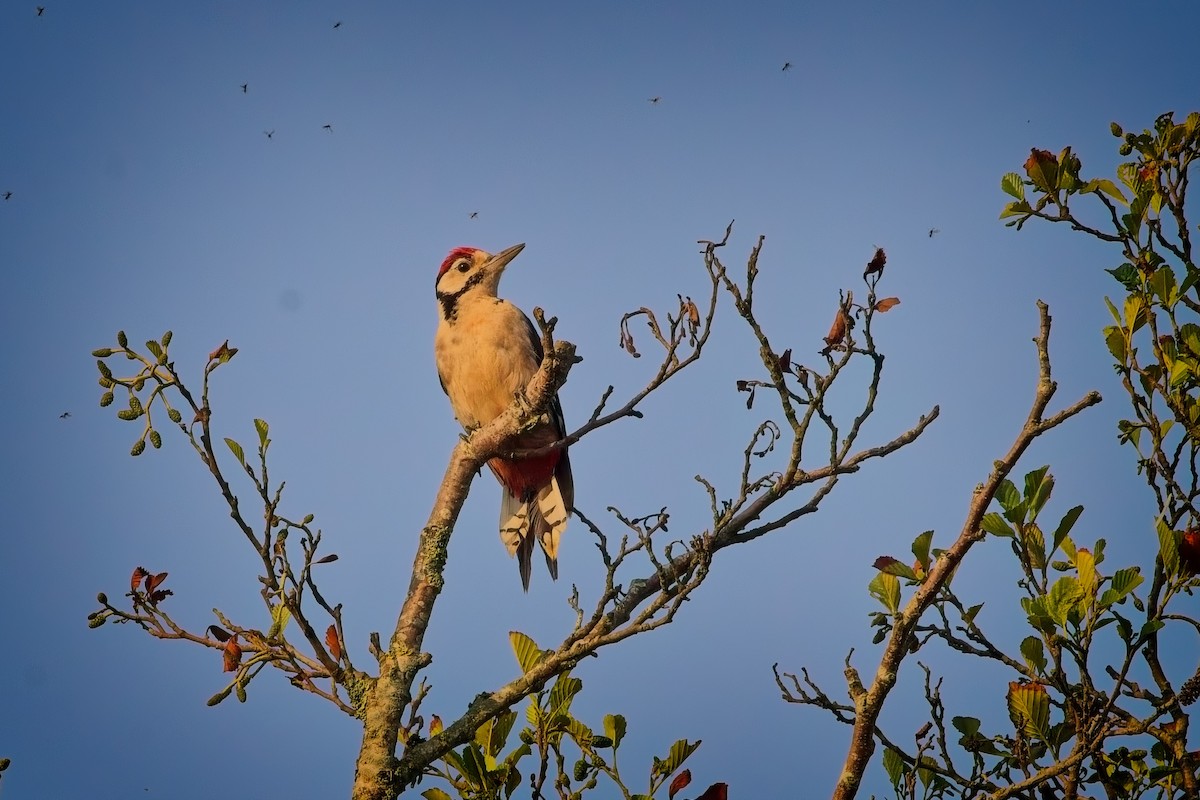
x=886 y=303
x=883 y=562
x=159 y=596
x=1042 y=169
x=1189 y=550
x=877 y=263
x=335 y=646
x=718 y=791
x=138 y=574
x=232 y=653
x=681 y=780
x=154 y=581
x=223 y=353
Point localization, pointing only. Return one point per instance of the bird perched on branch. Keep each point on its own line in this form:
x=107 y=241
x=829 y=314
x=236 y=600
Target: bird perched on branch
x=487 y=350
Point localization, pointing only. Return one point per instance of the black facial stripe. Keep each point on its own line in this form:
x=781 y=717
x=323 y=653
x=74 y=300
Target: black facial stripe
x=449 y=300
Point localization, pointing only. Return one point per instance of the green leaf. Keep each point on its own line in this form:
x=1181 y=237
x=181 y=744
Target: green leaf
x=920 y=549
x=1068 y=173
x=581 y=733
x=1114 y=339
x=564 y=690
x=1034 y=653
x=1128 y=276
x=1189 y=337
x=237 y=451
x=1064 y=527
x=527 y=652
x=533 y=714
x=1151 y=627
x=1189 y=280
x=1012 y=186
x=1162 y=284
x=1181 y=373
x=1116 y=315
x=435 y=794
x=614 y=728
x=154 y=348
x=895 y=767
x=886 y=589
x=1168 y=547
x=994 y=524
x=1124 y=629
x=1016 y=209
x=895 y=567
x=1107 y=187
x=1038 y=486
x=261 y=426
x=1085 y=566
x=1062 y=599
x=492 y=735
x=972 y=612
x=674 y=760
x=1010 y=500
x=280 y=617
x=1120 y=585
x=1034 y=542
x=474 y=768
x=1029 y=708
x=1135 y=316
x=967 y=726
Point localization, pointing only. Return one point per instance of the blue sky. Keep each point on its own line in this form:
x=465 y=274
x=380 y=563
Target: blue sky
x=146 y=196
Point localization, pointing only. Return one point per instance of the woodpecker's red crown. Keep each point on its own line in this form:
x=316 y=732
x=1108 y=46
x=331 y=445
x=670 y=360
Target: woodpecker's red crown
x=455 y=255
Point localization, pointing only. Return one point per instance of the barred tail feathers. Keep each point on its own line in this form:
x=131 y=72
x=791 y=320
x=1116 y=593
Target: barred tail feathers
x=541 y=519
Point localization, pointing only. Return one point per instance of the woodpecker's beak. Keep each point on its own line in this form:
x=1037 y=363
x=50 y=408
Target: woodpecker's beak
x=498 y=262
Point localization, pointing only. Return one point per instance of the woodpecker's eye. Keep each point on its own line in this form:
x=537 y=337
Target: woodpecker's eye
x=463 y=266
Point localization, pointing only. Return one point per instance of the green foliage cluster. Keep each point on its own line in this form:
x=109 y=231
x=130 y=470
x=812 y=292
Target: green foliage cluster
x=487 y=768
x=1080 y=724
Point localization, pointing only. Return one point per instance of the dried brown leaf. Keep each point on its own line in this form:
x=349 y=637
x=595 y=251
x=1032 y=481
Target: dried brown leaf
x=785 y=361
x=154 y=581
x=138 y=574
x=887 y=303
x=335 y=644
x=877 y=263
x=232 y=654
x=837 y=331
